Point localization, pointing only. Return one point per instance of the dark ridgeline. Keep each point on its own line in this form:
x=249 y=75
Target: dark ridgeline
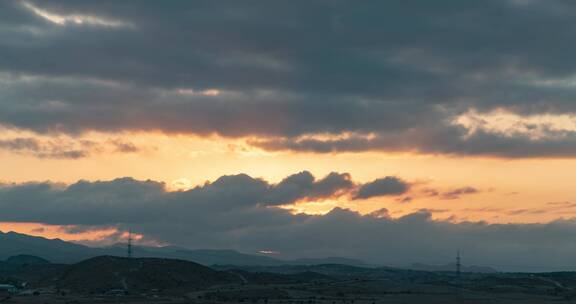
x=137 y=275
x=260 y=280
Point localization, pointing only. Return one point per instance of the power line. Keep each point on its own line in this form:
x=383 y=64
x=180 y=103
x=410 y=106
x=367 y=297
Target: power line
x=458 y=263
x=129 y=253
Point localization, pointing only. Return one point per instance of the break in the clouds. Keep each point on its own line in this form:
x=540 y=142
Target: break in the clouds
x=321 y=76
x=242 y=212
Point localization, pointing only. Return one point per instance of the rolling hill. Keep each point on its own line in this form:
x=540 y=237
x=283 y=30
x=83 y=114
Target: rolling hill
x=104 y=273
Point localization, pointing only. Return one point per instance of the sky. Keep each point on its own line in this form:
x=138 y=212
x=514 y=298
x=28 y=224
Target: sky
x=390 y=131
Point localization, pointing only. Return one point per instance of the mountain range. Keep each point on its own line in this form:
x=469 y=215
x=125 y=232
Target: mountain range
x=59 y=251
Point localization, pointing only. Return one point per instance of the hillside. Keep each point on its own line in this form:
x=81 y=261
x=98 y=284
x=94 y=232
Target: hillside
x=269 y=278
x=344 y=272
x=25 y=260
x=56 y=250
x=104 y=273
x=28 y=268
x=148 y=279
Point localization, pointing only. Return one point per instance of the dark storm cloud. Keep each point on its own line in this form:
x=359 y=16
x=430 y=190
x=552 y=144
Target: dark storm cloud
x=233 y=212
x=389 y=185
x=397 y=70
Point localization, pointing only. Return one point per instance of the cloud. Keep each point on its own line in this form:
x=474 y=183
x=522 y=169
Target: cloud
x=124 y=146
x=452 y=194
x=75 y=19
x=64 y=147
x=457 y=193
x=110 y=202
x=339 y=80
x=237 y=212
x=406 y=199
x=389 y=185
x=32 y=146
x=304 y=185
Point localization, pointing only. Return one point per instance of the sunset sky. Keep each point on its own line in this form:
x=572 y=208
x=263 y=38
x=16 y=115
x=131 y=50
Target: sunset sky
x=297 y=127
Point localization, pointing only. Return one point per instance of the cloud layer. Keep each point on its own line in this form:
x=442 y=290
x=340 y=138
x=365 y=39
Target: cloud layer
x=322 y=76
x=242 y=212
x=128 y=200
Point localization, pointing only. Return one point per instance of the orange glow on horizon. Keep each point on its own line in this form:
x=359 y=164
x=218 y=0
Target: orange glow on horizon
x=56 y=232
x=183 y=162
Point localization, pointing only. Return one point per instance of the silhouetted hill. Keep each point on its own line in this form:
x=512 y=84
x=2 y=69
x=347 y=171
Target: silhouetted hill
x=105 y=273
x=153 y=278
x=56 y=250
x=28 y=268
x=24 y=259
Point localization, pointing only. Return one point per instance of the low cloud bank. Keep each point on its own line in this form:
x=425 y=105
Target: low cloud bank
x=244 y=213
